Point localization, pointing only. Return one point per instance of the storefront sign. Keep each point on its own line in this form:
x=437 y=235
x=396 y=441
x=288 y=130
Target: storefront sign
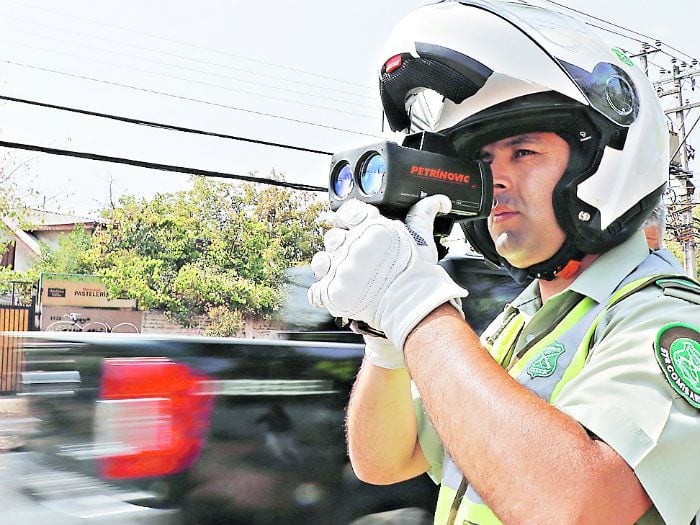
x=78 y=290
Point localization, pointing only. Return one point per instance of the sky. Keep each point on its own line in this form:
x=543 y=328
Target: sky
x=299 y=73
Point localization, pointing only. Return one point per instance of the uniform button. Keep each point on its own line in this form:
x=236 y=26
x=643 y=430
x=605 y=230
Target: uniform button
x=529 y=337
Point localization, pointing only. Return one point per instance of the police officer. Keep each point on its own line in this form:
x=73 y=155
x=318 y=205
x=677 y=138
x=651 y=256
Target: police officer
x=580 y=403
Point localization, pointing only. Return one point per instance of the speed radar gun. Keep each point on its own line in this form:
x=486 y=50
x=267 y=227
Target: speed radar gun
x=394 y=177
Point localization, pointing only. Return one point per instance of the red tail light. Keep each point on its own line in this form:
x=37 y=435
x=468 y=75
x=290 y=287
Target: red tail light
x=152 y=417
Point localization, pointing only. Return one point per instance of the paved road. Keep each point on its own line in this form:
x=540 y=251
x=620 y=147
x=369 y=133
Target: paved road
x=14 y=420
x=18 y=508
x=31 y=494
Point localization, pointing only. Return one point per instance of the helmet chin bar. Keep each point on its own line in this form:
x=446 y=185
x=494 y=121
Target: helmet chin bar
x=561 y=264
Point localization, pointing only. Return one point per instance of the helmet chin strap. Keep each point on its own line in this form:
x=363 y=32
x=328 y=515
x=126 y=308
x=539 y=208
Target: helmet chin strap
x=565 y=263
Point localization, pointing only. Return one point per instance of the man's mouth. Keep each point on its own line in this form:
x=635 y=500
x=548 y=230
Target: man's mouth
x=501 y=213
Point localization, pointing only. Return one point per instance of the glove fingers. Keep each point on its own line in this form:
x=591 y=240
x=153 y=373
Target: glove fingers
x=420 y=221
x=353 y=213
x=320 y=264
x=334 y=238
x=314 y=296
x=421 y=216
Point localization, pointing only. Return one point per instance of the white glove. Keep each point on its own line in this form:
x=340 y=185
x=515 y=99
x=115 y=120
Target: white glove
x=382 y=352
x=381 y=271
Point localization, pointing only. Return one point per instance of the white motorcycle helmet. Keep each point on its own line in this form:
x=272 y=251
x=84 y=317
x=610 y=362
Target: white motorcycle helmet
x=478 y=72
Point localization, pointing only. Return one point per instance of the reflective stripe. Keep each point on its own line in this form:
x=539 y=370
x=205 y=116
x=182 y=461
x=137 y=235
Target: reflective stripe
x=555 y=360
x=506 y=340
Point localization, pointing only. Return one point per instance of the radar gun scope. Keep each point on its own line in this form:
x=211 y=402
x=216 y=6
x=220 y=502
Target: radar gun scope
x=394 y=177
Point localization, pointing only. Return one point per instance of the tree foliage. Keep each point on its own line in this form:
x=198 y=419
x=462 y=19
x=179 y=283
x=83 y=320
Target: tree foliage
x=213 y=246
x=11 y=198
x=13 y=208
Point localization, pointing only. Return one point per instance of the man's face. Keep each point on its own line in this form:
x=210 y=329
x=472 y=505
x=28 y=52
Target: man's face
x=525 y=170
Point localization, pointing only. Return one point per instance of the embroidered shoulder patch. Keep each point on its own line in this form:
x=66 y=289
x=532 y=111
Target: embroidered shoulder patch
x=545 y=363
x=677 y=350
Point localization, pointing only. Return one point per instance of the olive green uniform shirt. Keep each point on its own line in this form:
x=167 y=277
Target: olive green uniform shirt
x=621 y=395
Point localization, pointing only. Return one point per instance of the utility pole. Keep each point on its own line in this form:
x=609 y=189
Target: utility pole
x=646 y=50
x=685 y=176
x=685 y=231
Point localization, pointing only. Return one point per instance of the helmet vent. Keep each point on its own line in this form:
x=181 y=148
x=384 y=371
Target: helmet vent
x=451 y=74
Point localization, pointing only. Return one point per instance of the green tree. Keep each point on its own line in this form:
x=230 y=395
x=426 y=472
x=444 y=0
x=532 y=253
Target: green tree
x=12 y=208
x=11 y=198
x=72 y=255
x=212 y=248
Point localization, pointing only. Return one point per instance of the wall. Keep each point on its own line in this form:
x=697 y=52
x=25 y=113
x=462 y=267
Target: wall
x=156 y=322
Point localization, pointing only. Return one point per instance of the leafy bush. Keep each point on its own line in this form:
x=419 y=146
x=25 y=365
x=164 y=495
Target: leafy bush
x=224 y=322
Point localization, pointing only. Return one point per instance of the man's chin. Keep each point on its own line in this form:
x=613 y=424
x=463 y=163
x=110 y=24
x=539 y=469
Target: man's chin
x=519 y=260
x=507 y=246
x=518 y=254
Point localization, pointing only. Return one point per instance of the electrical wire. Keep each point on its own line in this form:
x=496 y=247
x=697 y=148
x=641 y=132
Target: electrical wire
x=621 y=27
x=158 y=166
x=102 y=38
x=182 y=97
x=160 y=125
x=687 y=134
x=600 y=19
x=44 y=210
x=203 y=83
x=168 y=64
x=188 y=44
x=175 y=66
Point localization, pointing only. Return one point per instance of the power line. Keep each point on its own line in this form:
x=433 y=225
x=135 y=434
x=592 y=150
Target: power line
x=160 y=125
x=617 y=33
x=53 y=212
x=158 y=166
x=600 y=19
x=687 y=134
x=182 y=97
x=619 y=27
x=172 y=127
x=167 y=53
x=203 y=83
x=176 y=66
x=188 y=44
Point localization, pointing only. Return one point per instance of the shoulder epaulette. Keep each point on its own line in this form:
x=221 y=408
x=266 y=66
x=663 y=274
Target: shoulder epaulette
x=680 y=287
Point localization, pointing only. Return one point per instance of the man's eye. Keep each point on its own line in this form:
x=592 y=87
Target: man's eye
x=524 y=152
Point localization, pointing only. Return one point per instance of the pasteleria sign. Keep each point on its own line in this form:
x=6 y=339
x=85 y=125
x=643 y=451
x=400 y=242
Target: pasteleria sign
x=62 y=289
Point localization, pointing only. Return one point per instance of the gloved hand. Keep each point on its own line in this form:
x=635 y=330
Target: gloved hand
x=382 y=352
x=383 y=272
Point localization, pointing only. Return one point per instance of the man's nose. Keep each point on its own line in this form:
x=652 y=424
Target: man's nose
x=502 y=173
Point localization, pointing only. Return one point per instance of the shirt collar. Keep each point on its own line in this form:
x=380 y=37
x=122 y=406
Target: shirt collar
x=602 y=277
x=529 y=301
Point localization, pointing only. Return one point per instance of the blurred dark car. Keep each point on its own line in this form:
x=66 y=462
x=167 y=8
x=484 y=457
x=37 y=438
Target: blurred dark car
x=202 y=431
